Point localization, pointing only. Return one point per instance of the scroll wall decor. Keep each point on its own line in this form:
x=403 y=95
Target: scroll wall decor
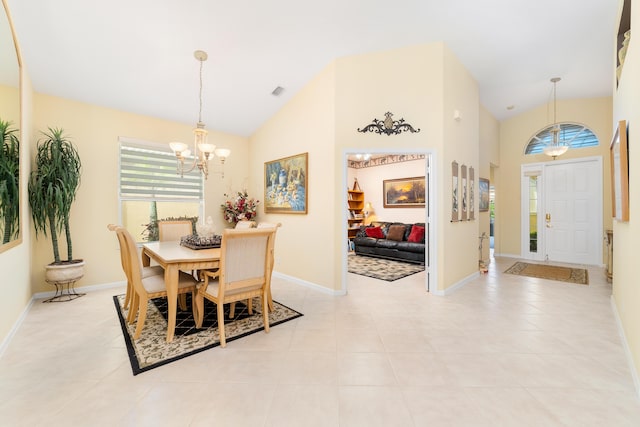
x=463 y=196
x=388 y=126
x=472 y=190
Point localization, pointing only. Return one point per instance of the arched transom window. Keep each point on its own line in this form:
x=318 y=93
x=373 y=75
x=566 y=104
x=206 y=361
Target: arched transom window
x=575 y=135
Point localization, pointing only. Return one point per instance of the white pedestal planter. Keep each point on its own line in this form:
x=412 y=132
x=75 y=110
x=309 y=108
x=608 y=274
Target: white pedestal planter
x=64 y=277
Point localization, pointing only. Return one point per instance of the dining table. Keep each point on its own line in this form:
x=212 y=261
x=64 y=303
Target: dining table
x=173 y=257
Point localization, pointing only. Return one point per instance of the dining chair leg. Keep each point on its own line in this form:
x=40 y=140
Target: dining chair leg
x=142 y=316
x=250 y=305
x=133 y=308
x=223 y=341
x=265 y=312
x=270 y=299
x=127 y=297
x=182 y=301
x=194 y=307
x=232 y=310
x=199 y=309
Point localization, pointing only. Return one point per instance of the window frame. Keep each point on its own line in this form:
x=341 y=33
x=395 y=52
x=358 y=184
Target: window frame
x=162 y=162
x=536 y=143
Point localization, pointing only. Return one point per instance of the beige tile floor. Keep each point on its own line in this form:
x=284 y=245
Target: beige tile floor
x=502 y=351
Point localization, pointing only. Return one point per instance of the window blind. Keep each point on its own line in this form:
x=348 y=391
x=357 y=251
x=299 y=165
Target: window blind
x=148 y=172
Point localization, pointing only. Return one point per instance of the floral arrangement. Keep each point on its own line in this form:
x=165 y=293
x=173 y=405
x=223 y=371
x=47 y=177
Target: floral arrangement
x=241 y=207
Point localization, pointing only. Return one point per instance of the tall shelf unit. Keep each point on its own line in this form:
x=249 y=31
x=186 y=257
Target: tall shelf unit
x=355 y=201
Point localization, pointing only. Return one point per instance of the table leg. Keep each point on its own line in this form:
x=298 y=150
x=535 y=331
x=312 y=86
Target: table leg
x=146 y=260
x=171 y=277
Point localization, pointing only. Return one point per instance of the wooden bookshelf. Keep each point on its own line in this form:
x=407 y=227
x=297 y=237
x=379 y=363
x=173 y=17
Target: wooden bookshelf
x=355 y=202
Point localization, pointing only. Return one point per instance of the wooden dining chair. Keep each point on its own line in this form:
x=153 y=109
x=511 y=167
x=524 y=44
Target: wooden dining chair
x=274 y=225
x=146 y=272
x=174 y=230
x=241 y=225
x=146 y=288
x=245 y=257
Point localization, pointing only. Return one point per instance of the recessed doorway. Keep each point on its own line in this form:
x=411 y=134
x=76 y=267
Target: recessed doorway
x=369 y=170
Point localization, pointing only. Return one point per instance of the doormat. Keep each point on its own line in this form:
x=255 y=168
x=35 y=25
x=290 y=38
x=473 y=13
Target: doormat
x=579 y=276
x=380 y=268
x=152 y=350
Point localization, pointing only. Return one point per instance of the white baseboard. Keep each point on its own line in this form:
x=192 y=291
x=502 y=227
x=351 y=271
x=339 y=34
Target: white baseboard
x=495 y=255
x=627 y=349
x=43 y=295
x=309 y=285
x=83 y=289
x=7 y=340
x=456 y=286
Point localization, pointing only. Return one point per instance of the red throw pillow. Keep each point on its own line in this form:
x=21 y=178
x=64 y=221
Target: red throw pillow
x=375 y=232
x=417 y=234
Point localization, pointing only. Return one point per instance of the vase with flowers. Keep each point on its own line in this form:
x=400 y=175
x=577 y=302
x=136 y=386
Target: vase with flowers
x=240 y=207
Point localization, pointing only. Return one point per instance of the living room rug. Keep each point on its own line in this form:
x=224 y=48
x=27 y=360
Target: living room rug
x=380 y=268
x=151 y=350
x=551 y=272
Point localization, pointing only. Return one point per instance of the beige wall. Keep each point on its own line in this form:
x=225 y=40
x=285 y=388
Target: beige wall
x=10 y=105
x=15 y=262
x=95 y=131
x=514 y=136
x=305 y=243
x=626 y=290
x=424 y=85
x=458 y=242
x=489 y=159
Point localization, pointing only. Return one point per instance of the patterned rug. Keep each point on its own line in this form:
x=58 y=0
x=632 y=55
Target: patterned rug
x=551 y=272
x=380 y=268
x=151 y=349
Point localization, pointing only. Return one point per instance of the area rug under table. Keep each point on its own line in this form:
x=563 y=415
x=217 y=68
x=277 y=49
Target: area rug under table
x=551 y=272
x=152 y=350
x=380 y=268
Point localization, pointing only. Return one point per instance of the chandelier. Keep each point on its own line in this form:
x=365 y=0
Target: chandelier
x=555 y=147
x=202 y=151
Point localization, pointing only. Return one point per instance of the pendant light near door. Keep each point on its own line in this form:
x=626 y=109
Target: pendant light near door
x=555 y=147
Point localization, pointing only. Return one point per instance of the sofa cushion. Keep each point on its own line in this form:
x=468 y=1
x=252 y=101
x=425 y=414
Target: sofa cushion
x=411 y=247
x=365 y=241
x=396 y=232
x=386 y=243
x=417 y=234
x=375 y=232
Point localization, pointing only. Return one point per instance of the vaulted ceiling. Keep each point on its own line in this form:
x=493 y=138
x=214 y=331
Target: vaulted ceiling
x=137 y=55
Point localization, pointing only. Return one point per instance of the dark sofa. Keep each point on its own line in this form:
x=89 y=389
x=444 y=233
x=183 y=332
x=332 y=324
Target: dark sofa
x=392 y=240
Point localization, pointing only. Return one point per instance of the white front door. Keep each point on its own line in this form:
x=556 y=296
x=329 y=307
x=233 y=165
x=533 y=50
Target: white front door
x=572 y=211
x=562 y=211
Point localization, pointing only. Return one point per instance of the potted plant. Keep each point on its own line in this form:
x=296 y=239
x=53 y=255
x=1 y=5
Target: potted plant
x=52 y=188
x=9 y=182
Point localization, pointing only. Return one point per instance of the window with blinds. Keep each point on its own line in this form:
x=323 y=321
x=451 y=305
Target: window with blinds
x=150 y=189
x=574 y=134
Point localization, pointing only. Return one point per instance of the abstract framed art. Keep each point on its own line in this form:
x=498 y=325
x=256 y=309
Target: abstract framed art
x=483 y=194
x=454 y=192
x=286 y=185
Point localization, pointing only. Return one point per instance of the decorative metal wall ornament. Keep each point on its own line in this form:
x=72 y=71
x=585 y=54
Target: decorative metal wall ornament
x=388 y=126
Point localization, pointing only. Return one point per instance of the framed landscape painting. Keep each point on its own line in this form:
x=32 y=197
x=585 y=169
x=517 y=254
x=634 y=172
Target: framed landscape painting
x=285 y=185
x=404 y=192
